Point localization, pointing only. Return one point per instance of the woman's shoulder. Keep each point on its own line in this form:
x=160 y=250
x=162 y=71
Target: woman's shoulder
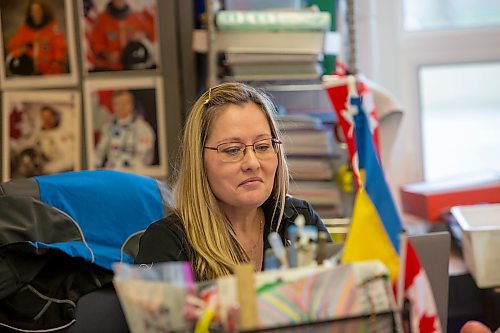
x=170 y=223
x=293 y=207
x=296 y=204
x=164 y=240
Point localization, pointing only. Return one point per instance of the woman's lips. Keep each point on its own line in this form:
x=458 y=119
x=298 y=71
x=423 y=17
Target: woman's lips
x=251 y=181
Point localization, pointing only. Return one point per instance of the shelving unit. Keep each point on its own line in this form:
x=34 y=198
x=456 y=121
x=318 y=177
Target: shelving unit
x=211 y=42
x=296 y=46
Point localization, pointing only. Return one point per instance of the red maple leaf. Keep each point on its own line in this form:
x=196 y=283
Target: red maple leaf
x=426 y=324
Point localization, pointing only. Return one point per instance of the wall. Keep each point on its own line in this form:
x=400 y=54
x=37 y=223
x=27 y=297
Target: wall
x=177 y=70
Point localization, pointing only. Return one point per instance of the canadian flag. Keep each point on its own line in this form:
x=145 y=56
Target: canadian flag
x=423 y=312
x=376 y=224
x=338 y=92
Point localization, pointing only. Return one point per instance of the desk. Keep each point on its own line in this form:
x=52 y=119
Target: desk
x=466 y=300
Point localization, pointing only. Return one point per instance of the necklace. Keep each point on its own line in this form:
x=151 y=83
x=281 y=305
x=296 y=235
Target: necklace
x=259 y=238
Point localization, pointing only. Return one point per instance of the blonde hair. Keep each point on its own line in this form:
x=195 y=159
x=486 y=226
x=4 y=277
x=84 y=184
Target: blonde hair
x=209 y=232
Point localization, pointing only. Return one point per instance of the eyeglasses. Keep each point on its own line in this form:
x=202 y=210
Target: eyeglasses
x=234 y=151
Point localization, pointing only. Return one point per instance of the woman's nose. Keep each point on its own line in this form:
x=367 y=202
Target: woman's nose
x=250 y=159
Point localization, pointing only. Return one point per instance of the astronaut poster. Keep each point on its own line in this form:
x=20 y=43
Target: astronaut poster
x=125 y=125
x=119 y=35
x=37 y=47
x=41 y=133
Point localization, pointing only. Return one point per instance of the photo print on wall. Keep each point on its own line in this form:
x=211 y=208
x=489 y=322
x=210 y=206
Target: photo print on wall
x=37 y=46
x=125 y=125
x=119 y=35
x=41 y=133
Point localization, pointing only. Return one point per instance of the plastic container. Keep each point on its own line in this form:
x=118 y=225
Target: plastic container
x=480 y=225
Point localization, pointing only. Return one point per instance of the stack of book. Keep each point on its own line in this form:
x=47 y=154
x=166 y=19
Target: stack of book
x=306 y=136
x=303 y=97
x=287 y=44
x=324 y=196
x=271 y=67
x=311 y=154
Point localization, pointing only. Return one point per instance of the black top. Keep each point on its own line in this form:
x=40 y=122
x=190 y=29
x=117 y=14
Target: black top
x=165 y=240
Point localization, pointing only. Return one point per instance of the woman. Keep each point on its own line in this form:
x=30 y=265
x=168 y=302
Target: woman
x=231 y=188
x=40 y=42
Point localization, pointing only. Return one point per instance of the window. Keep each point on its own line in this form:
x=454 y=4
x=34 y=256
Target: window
x=460 y=119
x=416 y=49
x=450 y=14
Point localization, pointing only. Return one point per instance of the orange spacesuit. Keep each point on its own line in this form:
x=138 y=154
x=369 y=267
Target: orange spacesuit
x=46 y=46
x=111 y=34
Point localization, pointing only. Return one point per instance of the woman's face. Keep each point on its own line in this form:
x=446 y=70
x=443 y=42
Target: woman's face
x=247 y=183
x=36 y=12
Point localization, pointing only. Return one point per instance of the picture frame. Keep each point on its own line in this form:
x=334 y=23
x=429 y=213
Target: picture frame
x=125 y=128
x=37 y=44
x=41 y=133
x=119 y=35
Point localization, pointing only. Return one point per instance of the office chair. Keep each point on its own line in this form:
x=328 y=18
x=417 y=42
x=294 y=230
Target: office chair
x=60 y=235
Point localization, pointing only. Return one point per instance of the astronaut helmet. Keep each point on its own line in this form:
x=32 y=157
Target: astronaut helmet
x=136 y=55
x=21 y=65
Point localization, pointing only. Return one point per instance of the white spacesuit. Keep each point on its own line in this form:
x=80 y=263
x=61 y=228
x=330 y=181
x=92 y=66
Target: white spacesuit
x=125 y=143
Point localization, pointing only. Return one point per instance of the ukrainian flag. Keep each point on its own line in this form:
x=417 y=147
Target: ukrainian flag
x=375 y=225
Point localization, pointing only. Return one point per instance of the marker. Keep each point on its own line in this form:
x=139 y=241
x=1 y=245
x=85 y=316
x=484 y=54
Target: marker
x=271 y=263
x=321 y=254
x=292 y=249
x=292 y=234
x=278 y=248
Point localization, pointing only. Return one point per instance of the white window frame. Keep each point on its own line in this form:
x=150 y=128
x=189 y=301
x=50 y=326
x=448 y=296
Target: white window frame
x=391 y=57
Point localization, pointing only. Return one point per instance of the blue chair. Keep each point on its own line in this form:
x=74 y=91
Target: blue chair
x=60 y=235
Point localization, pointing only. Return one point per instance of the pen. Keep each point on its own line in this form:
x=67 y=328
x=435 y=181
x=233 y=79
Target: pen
x=321 y=254
x=292 y=249
x=278 y=248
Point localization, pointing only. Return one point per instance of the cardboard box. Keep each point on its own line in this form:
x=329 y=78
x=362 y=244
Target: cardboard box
x=429 y=200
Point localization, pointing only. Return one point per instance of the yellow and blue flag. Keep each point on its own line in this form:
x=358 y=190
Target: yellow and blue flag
x=376 y=228
x=375 y=225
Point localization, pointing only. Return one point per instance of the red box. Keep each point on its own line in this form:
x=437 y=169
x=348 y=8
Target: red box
x=429 y=200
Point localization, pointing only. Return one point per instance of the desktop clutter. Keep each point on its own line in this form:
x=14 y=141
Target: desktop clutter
x=294 y=293
x=78 y=225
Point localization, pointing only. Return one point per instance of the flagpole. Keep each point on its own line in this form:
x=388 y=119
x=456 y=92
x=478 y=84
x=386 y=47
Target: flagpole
x=402 y=269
